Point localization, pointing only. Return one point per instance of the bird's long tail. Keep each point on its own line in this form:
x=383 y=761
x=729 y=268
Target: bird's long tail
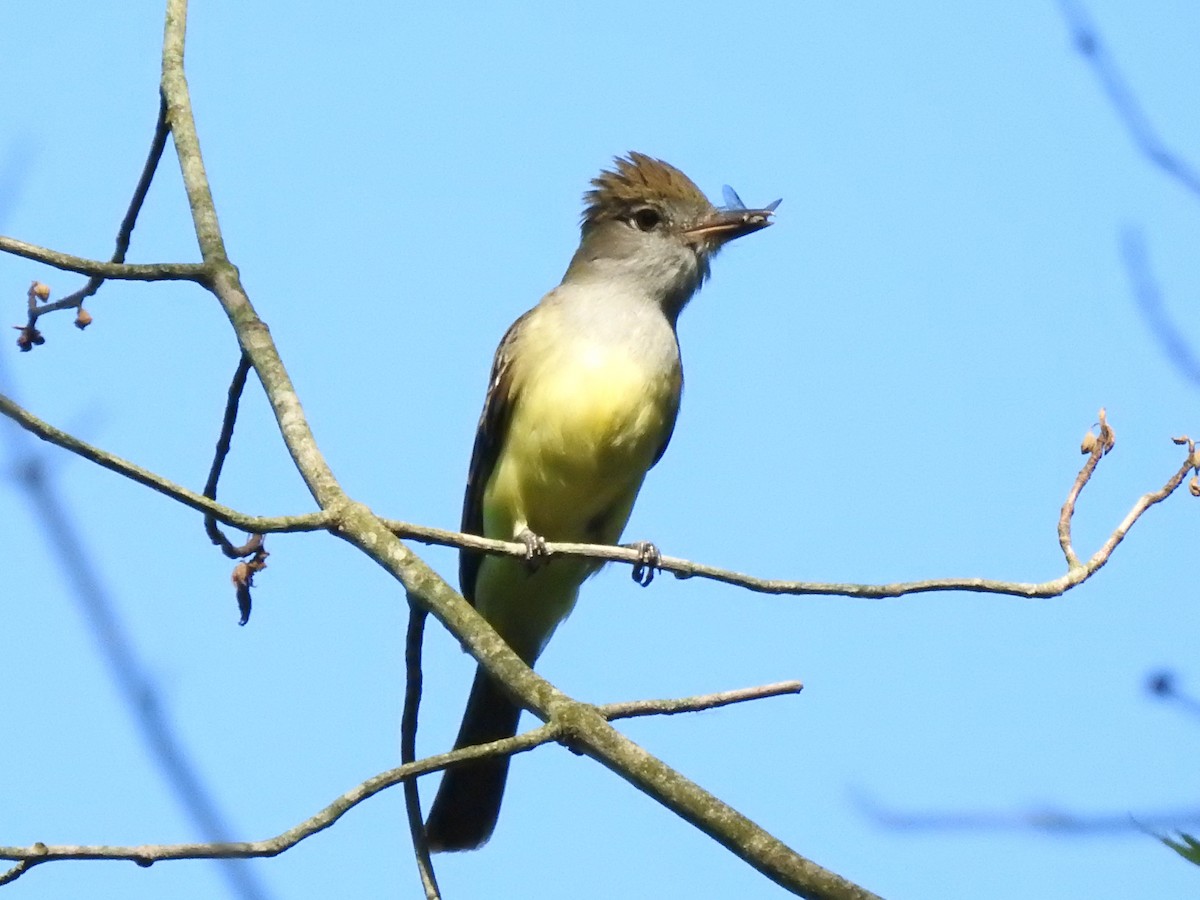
x=467 y=804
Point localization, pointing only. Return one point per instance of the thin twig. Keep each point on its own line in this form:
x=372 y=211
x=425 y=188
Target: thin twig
x=682 y=568
x=161 y=130
x=636 y=708
x=147 y=854
x=1078 y=572
x=254 y=547
x=100 y=271
x=1090 y=45
x=414 y=639
x=233 y=398
x=15 y=872
x=1149 y=299
x=314 y=521
x=97 y=271
x=1046 y=819
x=1095 y=446
x=141 y=694
x=1124 y=101
x=150 y=853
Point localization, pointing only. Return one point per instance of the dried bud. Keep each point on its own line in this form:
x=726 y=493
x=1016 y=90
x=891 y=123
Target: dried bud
x=1194 y=459
x=242 y=575
x=1194 y=486
x=1089 y=444
x=1107 y=437
x=1181 y=440
x=41 y=291
x=83 y=319
x=28 y=338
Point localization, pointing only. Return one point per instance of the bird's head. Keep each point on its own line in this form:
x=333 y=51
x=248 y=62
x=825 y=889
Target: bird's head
x=646 y=222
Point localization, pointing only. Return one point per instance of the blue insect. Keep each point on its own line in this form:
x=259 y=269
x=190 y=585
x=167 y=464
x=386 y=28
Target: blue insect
x=733 y=201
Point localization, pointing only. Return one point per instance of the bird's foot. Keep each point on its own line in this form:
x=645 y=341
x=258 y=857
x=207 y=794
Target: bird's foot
x=535 y=549
x=649 y=560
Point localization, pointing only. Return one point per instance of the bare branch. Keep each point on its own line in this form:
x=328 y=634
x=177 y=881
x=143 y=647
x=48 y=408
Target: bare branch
x=316 y=521
x=1095 y=446
x=637 y=708
x=20 y=868
x=147 y=854
x=1124 y=101
x=1047 y=819
x=102 y=271
x=139 y=691
x=236 y=386
x=1078 y=572
x=251 y=332
x=1090 y=45
x=1150 y=301
x=414 y=639
x=157 y=145
x=254 y=547
x=115 y=268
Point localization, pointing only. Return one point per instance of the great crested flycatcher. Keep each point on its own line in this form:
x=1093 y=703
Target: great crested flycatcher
x=581 y=403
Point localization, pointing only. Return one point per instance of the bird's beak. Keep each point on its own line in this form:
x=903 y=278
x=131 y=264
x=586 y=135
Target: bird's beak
x=723 y=225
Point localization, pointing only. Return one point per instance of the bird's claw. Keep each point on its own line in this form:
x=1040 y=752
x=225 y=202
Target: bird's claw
x=535 y=548
x=649 y=560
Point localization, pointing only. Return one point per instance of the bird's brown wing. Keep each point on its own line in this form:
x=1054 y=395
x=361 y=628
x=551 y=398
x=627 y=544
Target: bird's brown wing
x=489 y=440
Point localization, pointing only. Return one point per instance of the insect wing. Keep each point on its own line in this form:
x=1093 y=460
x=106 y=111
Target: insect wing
x=732 y=200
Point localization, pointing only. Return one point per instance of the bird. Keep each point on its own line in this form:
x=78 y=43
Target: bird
x=584 y=392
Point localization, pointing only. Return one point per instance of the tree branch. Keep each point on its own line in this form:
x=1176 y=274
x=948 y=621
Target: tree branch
x=1046 y=819
x=1077 y=573
x=413 y=643
x=115 y=268
x=234 y=396
x=315 y=521
x=147 y=854
x=1090 y=45
x=100 y=270
x=1150 y=301
x=636 y=708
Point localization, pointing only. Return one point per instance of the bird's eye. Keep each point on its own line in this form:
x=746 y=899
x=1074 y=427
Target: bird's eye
x=647 y=218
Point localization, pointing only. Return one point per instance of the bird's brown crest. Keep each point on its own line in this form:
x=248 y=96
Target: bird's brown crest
x=636 y=179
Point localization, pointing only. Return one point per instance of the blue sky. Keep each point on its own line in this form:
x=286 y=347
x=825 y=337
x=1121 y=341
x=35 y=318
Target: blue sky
x=891 y=383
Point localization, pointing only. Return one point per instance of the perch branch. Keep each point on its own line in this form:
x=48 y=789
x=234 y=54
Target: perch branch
x=1077 y=571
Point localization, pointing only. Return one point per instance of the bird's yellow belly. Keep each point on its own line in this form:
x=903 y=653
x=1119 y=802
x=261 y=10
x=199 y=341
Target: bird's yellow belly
x=585 y=428
x=580 y=442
